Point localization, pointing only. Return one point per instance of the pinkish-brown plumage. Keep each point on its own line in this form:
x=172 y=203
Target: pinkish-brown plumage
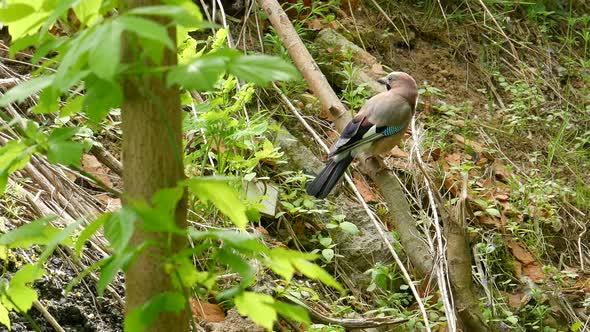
x=377 y=128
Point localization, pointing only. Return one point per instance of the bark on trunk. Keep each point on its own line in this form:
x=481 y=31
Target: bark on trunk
x=458 y=253
x=152 y=159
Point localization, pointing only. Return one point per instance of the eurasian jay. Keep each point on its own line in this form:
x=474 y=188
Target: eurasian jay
x=377 y=128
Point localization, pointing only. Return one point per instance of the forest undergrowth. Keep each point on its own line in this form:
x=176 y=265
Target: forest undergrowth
x=503 y=132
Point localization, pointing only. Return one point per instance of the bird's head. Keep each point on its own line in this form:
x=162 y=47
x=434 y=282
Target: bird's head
x=397 y=78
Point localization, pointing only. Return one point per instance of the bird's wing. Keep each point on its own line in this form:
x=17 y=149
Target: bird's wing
x=359 y=132
x=354 y=130
x=385 y=114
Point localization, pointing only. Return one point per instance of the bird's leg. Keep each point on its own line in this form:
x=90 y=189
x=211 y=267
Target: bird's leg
x=373 y=163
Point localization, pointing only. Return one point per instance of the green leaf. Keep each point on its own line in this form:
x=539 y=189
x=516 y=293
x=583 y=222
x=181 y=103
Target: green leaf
x=512 y=319
x=155 y=219
x=118 y=229
x=115 y=263
x=261 y=69
x=200 y=74
x=46 y=44
x=62 y=134
x=146 y=29
x=26 y=89
x=184 y=275
x=14 y=12
x=259 y=307
x=72 y=106
x=293 y=312
x=313 y=271
x=61 y=150
x=29 y=23
x=178 y=15
x=4 y=319
x=104 y=59
x=349 y=227
x=87 y=11
x=143 y=316
x=493 y=212
x=280 y=263
x=101 y=97
x=3 y=181
x=20 y=293
x=14 y=155
x=325 y=241
x=83 y=274
x=242 y=242
x=167 y=199
x=222 y=196
x=48 y=101
x=576 y=326
x=63 y=237
x=73 y=64
x=36 y=232
x=89 y=231
x=19 y=44
x=328 y=254
x=238 y=264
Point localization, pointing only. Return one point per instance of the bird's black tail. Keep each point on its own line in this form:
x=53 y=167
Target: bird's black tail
x=321 y=186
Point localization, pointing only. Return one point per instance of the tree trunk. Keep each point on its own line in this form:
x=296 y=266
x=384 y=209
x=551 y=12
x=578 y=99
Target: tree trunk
x=152 y=159
x=459 y=263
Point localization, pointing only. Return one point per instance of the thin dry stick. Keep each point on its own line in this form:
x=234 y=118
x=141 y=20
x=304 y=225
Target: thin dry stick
x=258 y=30
x=107 y=159
x=303 y=60
x=355 y=25
x=398 y=261
x=442 y=267
x=349 y=323
x=48 y=316
x=9 y=82
x=391 y=22
x=501 y=31
x=378 y=224
x=444 y=14
x=40 y=307
x=580 y=251
x=230 y=44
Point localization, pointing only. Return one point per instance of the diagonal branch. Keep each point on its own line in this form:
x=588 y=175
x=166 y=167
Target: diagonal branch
x=377 y=223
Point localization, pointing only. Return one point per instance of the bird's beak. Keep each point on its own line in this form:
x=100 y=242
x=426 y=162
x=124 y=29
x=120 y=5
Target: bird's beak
x=383 y=80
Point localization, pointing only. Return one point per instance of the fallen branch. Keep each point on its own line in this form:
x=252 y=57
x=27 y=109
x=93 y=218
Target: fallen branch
x=399 y=210
x=349 y=323
x=50 y=319
x=8 y=83
x=329 y=101
x=107 y=159
x=378 y=225
x=304 y=62
x=467 y=303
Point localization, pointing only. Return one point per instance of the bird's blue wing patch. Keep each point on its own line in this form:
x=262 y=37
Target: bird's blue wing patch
x=390 y=131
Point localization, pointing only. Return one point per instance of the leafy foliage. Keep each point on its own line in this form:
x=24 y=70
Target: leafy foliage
x=90 y=61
